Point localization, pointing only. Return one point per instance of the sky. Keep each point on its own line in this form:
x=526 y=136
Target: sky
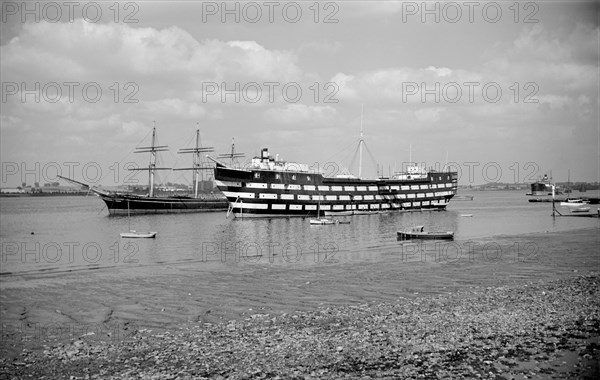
x=499 y=91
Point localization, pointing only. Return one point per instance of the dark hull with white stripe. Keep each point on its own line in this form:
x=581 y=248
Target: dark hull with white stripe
x=266 y=193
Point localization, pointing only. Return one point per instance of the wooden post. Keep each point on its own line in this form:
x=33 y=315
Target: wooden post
x=553 y=206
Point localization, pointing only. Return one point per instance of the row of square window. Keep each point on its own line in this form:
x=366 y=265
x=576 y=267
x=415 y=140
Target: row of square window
x=280 y=186
x=376 y=206
x=308 y=178
x=353 y=198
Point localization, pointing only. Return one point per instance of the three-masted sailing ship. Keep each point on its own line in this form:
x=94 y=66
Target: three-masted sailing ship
x=121 y=203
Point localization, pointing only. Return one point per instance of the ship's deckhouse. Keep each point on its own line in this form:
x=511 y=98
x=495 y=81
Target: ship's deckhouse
x=274 y=188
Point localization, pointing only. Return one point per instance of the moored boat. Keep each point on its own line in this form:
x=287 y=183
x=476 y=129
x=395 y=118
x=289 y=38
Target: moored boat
x=463 y=197
x=541 y=187
x=581 y=209
x=323 y=221
x=537 y=200
x=269 y=187
x=573 y=202
x=118 y=203
x=135 y=234
x=419 y=232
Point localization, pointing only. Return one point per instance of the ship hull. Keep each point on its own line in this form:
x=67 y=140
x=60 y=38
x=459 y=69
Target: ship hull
x=131 y=204
x=265 y=193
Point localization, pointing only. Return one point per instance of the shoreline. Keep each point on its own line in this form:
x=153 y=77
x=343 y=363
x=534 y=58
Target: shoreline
x=42 y=312
x=532 y=330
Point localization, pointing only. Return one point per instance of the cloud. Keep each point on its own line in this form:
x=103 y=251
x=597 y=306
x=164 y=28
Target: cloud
x=96 y=51
x=405 y=85
x=441 y=71
x=534 y=43
x=346 y=88
x=557 y=60
x=142 y=73
x=9 y=122
x=300 y=115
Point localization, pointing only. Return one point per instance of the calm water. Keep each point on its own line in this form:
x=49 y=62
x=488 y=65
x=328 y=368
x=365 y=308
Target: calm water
x=76 y=233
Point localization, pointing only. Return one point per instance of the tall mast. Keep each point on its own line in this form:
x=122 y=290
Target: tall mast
x=360 y=143
x=152 y=149
x=446 y=163
x=196 y=161
x=152 y=164
x=233 y=155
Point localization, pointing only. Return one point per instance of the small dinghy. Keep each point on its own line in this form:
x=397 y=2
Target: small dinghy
x=419 y=232
x=135 y=234
x=581 y=209
x=323 y=221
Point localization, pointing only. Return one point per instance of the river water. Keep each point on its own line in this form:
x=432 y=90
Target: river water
x=67 y=234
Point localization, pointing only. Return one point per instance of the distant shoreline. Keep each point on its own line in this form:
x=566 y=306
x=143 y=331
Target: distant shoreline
x=78 y=194
x=33 y=195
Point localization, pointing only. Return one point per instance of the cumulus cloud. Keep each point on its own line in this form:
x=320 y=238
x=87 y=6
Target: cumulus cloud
x=404 y=85
x=120 y=51
x=159 y=68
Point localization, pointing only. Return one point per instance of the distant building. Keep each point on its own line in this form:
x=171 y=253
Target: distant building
x=12 y=191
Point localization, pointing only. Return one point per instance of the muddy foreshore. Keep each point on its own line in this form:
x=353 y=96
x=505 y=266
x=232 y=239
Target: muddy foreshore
x=532 y=313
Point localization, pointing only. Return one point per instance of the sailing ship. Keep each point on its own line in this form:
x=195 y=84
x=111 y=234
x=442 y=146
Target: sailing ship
x=269 y=187
x=120 y=203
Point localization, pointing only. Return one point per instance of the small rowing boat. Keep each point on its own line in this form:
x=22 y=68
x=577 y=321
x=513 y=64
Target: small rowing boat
x=135 y=234
x=323 y=221
x=419 y=232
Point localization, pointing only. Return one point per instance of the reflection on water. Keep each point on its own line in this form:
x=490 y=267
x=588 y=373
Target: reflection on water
x=70 y=233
